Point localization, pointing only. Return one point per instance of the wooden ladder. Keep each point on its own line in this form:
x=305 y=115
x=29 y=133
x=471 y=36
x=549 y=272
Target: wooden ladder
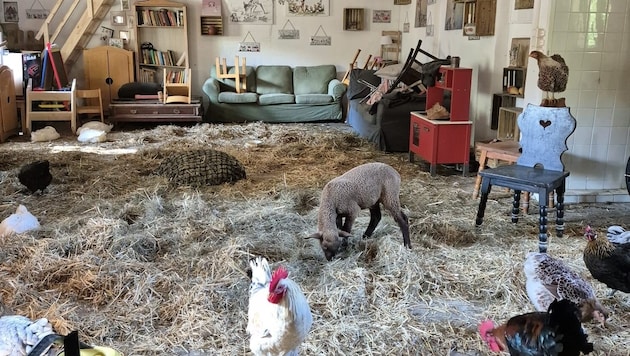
x=82 y=31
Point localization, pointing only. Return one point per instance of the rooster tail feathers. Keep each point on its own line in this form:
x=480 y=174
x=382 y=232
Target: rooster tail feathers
x=261 y=273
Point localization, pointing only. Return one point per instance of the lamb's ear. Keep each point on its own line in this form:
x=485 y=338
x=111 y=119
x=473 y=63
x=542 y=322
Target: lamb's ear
x=317 y=236
x=344 y=233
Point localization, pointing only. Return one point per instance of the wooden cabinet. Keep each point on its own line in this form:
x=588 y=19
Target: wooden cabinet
x=161 y=34
x=108 y=68
x=353 y=19
x=8 y=108
x=479 y=17
x=156 y=111
x=439 y=142
x=444 y=141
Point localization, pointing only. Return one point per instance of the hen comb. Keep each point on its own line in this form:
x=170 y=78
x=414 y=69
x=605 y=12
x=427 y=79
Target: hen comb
x=279 y=274
x=484 y=328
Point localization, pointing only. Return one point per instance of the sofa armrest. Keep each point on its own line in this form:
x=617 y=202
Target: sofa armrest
x=212 y=89
x=337 y=89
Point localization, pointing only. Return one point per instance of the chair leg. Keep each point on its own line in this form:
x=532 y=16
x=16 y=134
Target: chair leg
x=483 y=200
x=542 y=222
x=515 y=205
x=482 y=166
x=525 y=203
x=560 y=210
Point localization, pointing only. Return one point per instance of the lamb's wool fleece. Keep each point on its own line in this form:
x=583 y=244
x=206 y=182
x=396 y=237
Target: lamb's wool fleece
x=92 y=136
x=48 y=133
x=19 y=222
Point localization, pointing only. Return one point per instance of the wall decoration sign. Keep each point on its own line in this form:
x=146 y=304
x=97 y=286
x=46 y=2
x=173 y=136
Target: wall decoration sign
x=211 y=8
x=308 y=7
x=402 y=2
x=406 y=23
x=250 y=12
x=320 y=40
x=523 y=4
x=39 y=13
x=249 y=46
x=429 y=25
x=381 y=16
x=10 y=11
x=421 y=13
x=288 y=33
x=454 y=15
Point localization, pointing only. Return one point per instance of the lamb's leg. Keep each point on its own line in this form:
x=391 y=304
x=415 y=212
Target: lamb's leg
x=403 y=223
x=375 y=217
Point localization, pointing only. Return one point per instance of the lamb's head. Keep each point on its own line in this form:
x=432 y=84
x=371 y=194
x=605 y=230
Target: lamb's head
x=330 y=241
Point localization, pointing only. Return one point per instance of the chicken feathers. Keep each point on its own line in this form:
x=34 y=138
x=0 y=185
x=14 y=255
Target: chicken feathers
x=553 y=74
x=549 y=279
x=558 y=331
x=279 y=317
x=19 y=334
x=608 y=262
x=35 y=175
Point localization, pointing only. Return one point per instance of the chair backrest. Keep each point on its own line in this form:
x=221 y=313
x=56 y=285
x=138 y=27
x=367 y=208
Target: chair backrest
x=544 y=134
x=88 y=93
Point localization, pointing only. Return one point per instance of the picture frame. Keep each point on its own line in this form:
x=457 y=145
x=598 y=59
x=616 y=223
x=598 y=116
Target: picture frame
x=10 y=9
x=523 y=4
x=421 y=13
x=106 y=34
x=402 y=2
x=381 y=16
x=125 y=5
x=124 y=35
x=116 y=42
x=259 y=12
x=308 y=7
x=119 y=18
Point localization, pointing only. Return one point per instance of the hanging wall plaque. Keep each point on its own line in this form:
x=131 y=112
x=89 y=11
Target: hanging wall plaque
x=406 y=23
x=429 y=24
x=319 y=40
x=245 y=46
x=288 y=34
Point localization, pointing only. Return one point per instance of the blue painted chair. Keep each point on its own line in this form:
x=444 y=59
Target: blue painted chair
x=539 y=169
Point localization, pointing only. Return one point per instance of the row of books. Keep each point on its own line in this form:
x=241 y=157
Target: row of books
x=162 y=58
x=176 y=76
x=162 y=17
x=147 y=75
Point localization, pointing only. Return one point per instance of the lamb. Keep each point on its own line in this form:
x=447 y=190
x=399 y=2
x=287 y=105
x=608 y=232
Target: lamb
x=363 y=187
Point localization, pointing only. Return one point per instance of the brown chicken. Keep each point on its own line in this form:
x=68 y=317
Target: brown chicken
x=555 y=332
x=553 y=75
x=608 y=262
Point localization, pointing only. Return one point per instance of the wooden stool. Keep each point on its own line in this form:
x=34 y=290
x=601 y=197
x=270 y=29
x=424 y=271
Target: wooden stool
x=507 y=151
x=239 y=75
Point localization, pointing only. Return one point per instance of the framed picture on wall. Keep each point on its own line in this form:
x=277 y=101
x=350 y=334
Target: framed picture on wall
x=253 y=12
x=124 y=5
x=10 y=11
x=308 y=7
x=381 y=16
x=421 y=13
x=402 y=2
x=119 y=18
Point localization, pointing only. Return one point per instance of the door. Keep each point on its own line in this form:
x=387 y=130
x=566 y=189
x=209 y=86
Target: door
x=8 y=108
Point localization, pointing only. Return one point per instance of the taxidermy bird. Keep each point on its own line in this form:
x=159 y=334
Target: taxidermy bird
x=557 y=331
x=35 y=175
x=279 y=317
x=553 y=75
x=549 y=279
x=19 y=334
x=608 y=262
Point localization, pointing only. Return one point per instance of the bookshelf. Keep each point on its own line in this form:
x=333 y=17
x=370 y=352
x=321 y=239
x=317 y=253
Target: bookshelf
x=161 y=33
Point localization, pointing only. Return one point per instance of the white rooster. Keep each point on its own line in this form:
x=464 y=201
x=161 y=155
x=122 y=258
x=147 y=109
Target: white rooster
x=19 y=334
x=549 y=279
x=279 y=317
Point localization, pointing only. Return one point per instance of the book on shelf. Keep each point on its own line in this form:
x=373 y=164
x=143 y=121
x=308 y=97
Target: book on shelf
x=159 y=17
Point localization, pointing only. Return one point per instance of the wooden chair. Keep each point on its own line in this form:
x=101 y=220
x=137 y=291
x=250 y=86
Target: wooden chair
x=539 y=168
x=51 y=105
x=89 y=102
x=239 y=75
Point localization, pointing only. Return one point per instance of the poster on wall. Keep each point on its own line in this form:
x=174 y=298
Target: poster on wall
x=381 y=16
x=421 y=13
x=308 y=7
x=251 y=12
x=10 y=11
x=454 y=16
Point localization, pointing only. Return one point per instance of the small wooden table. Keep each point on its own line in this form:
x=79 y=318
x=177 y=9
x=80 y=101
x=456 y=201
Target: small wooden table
x=154 y=111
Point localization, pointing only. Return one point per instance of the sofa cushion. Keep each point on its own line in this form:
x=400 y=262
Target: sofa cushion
x=230 y=84
x=274 y=79
x=313 y=79
x=313 y=99
x=236 y=98
x=271 y=99
x=360 y=90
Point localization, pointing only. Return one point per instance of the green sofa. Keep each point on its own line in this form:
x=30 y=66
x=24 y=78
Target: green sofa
x=276 y=93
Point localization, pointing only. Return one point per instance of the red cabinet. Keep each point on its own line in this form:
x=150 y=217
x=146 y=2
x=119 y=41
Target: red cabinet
x=444 y=141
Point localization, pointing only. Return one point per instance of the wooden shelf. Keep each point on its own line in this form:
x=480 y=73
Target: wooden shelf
x=480 y=13
x=353 y=19
x=210 y=23
x=514 y=77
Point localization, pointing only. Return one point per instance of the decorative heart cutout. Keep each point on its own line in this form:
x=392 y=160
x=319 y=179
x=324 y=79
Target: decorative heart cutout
x=544 y=123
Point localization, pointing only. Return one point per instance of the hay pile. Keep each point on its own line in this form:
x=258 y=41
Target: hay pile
x=143 y=266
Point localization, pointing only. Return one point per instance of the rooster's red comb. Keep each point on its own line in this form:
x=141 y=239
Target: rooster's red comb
x=279 y=274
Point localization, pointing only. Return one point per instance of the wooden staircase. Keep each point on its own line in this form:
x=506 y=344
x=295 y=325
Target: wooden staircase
x=82 y=31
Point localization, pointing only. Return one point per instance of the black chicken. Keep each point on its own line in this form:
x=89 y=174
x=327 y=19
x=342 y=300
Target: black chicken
x=555 y=332
x=608 y=262
x=36 y=175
